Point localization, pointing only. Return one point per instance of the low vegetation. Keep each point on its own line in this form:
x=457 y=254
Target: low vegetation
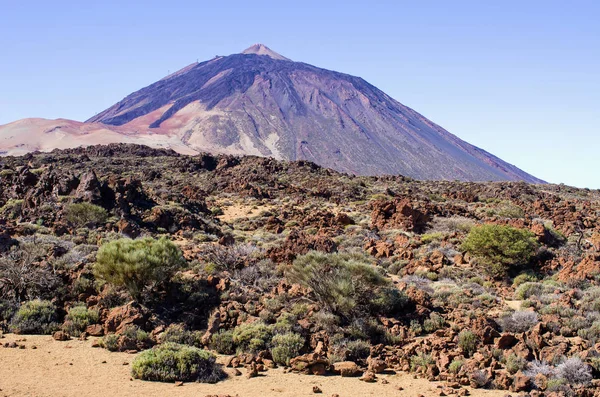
x=494 y=285
x=136 y=264
x=170 y=362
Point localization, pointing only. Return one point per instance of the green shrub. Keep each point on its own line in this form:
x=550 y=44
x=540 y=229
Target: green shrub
x=421 y=361
x=455 y=366
x=176 y=333
x=252 y=338
x=415 y=327
x=515 y=363
x=523 y=278
x=137 y=335
x=358 y=349
x=85 y=214
x=467 y=341
x=430 y=237
x=135 y=264
x=433 y=323
x=390 y=300
x=529 y=289
x=286 y=347
x=172 y=362
x=286 y=322
x=499 y=247
x=110 y=342
x=78 y=318
x=341 y=283
x=35 y=317
x=222 y=342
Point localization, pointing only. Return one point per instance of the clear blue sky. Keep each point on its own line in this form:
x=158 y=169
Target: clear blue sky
x=520 y=79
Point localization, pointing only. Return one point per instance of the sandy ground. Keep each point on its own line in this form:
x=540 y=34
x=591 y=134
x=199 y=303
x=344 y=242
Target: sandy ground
x=236 y=211
x=74 y=368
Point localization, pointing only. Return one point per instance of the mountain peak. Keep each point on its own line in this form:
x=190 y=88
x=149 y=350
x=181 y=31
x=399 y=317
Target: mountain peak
x=261 y=49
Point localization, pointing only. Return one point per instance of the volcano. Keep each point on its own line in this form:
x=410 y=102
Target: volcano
x=261 y=103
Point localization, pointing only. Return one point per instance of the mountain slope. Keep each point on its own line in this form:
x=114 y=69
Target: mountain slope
x=262 y=103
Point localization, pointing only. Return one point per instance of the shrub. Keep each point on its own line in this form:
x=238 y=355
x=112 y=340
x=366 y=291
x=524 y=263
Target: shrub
x=252 y=338
x=415 y=327
x=137 y=335
x=523 y=278
x=342 y=283
x=433 y=323
x=529 y=289
x=222 y=342
x=514 y=363
x=135 y=264
x=467 y=341
x=22 y=279
x=535 y=368
x=358 y=349
x=229 y=258
x=172 y=362
x=110 y=342
x=421 y=361
x=85 y=214
x=286 y=347
x=455 y=366
x=176 y=333
x=285 y=323
x=390 y=300
x=78 y=318
x=574 y=371
x=35 y=317
x=520 y=321
x=500 y=247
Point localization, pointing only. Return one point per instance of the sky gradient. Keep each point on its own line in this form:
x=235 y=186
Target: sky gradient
x=520 y=79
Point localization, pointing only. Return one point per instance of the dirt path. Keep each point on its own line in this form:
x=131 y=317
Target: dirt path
x=74 y=368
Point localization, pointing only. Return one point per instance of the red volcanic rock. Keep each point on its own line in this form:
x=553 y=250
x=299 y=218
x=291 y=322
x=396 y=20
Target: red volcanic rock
x=121 y=317
x=299 y=243
x=399 y=214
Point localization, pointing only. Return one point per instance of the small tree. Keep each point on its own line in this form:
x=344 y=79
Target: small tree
x=499 y=247
x=135 y=264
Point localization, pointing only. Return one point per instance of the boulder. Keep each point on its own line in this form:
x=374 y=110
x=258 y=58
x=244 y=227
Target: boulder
x=347 y=369
x=310 y=364
x=121 y=317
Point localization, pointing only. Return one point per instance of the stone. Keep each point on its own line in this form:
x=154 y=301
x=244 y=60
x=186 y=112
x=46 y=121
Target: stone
x=61 y=336
x=368 y=377
x=506 y=341
x=94 y=330
x=346 y=369
x=521 y=382
x=376 y=365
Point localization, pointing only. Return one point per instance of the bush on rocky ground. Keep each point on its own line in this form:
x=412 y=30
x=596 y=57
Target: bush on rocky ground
x=170 y=362
x=286 y=346
x=345 y=284
x=500 y=247
x=78 y=318
x=520 y=321
x=176 y=333
x=85 y=215
x=135 y=264
x=35 y=317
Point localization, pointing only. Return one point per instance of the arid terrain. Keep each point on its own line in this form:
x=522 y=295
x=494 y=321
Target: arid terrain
x=294 y=276
x=75 y=369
